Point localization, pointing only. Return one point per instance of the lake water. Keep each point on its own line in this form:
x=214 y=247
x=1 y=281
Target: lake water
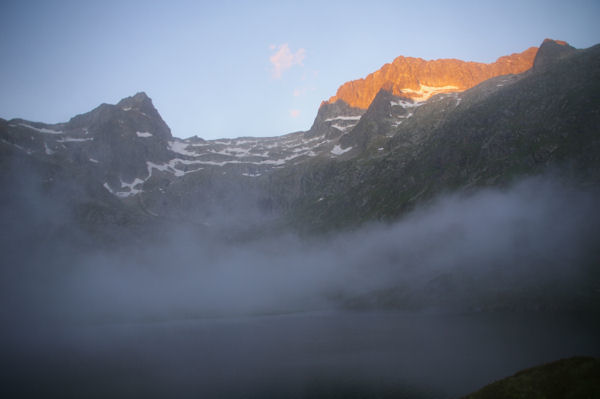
x=317 y=354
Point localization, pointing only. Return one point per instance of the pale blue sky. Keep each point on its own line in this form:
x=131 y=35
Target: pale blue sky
x=208 y=67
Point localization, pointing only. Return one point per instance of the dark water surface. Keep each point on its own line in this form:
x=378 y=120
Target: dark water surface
x=319 y=354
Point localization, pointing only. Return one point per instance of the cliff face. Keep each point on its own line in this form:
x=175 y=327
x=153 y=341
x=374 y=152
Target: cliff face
x=419 y=79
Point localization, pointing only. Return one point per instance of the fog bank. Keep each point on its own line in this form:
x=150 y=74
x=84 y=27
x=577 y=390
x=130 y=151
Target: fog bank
x=472 y=287
x=523 y=246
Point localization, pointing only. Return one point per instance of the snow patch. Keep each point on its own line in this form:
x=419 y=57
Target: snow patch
x=41 y=129
x=48 y=150
x=131 y=185
x=276 y=162
x=425 y=92
x=302 y=149
x=233 y=151
x=152 y=165
x=73 y=140
x=93 y=160
x=131 y=188
x=337 y=150
x=241 y=142
x=406 y=104
x=171 y=167
x=106 y=186
x=344 y=118
x=180 y=148
x=143 y=134
x=342 y=128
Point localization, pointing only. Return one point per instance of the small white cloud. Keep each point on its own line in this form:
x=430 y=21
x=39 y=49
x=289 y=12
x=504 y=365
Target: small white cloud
x=294 y=113
x=284 y=59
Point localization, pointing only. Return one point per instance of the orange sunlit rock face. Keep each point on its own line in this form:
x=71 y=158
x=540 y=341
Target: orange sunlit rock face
x=561 y=42
x=418 y=79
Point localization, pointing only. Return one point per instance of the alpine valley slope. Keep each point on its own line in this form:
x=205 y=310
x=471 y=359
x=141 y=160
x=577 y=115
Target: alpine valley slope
x=430 y=126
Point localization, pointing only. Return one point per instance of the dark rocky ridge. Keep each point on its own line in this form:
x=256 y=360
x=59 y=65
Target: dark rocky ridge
x=551 y=51
x=326 y=118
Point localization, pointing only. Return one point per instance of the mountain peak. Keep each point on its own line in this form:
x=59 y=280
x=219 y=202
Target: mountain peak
x=131 y=113
x=138 y=100
x=559 y=42
x=418 y=79
x=550 y=51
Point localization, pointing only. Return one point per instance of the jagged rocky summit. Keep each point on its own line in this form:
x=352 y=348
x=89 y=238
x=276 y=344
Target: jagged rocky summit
x=419 y=79
x=415 y=81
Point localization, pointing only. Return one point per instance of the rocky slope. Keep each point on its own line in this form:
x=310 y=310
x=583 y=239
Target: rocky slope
x=505 y=127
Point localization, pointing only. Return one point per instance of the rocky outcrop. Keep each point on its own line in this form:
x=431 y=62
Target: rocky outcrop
x=550 y=51
x=419 y=79
x=334 y=119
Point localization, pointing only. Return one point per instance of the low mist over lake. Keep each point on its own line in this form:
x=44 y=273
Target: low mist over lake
x=457 y=293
